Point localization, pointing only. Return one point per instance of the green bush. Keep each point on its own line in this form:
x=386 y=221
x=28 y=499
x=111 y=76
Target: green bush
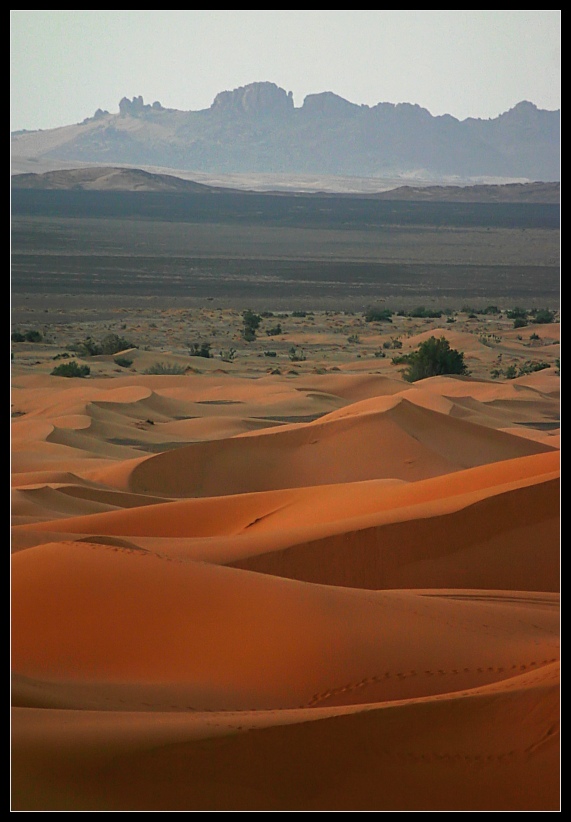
x=71 y=369
x=434 y=357
x=166 y=368
x=113 y=344
x=87 y=348
x=33 y=336
x=519 y=322
x=544 y=315
x=251 y=324
x=425 y=313
x=517 y=313
x=17 y=336
x=375 y=314
x=123 y=362
x=275 y=331
x=200 y=350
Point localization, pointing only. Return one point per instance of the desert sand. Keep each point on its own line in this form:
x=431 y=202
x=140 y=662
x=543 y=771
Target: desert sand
x=279 y=585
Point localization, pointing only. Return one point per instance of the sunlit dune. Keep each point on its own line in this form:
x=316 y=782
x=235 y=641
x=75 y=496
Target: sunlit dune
x=330 y=591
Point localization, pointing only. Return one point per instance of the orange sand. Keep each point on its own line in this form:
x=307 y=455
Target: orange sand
x=219 y=605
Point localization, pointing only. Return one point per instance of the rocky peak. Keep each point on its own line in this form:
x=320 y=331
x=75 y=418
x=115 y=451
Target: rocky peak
x=328 y=104
x=136 y=106
x=255 y=98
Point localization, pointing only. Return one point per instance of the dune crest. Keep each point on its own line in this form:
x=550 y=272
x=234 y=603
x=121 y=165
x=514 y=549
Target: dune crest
x=333 y=591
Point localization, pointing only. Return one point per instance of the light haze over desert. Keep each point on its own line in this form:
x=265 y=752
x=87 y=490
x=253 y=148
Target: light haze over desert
x=254 y=565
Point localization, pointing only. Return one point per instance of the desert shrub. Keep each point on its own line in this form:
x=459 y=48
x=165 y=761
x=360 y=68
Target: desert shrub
x=71 y=369
x=489 y=309
x=87 y=347
x=29 y=336
x=296 y=354
x=543 y=315
x=123 y=362
x=354 y=338
x=270 y=354
x=517 y=313
x=519 y=322
x=450 y=319
x=274 y=331
x=529 y=366
x=251 y=324
x=425 y=313
x=392 y=343
x=113 y=344
x=200 y=350
x=299 y=313
x=376 y=314
x=432 y=358
x=379 y=354
x=228 y=355
x=166 y=368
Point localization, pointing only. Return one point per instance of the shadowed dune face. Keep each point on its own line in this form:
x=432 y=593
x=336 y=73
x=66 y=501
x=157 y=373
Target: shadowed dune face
x=333 y=593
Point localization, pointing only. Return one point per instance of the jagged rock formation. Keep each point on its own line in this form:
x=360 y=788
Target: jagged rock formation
x=257 y=128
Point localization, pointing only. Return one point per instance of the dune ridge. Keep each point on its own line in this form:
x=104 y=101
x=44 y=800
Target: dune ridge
x=334 y=592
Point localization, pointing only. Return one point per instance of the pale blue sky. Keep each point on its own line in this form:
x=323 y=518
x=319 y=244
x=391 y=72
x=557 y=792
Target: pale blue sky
x=66 y=64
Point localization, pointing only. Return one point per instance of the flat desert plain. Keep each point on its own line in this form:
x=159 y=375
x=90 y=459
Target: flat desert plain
x=284 y=578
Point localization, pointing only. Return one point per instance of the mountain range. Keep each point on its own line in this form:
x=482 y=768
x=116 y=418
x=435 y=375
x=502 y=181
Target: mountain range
x=257 y=129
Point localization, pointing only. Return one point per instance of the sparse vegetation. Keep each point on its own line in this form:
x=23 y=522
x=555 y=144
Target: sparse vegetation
x=434 y=357
x=123 y=362
x=166 y=368
x=200 y=349
x=87 y=348
x=425 y=313
x=251 y=323
x=29 y=336
x=113 y=344
x=512 y=371
x=393 y=343
x=296 y=354
x=517 y=313
x=110 y=344
x=71 y=369
x=543 y=315
x=376 y=314
x=274 y=331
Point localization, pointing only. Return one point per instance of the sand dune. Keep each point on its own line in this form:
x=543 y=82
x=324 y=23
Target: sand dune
x=333 y=592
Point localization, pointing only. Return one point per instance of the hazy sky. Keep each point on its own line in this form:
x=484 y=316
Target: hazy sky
x=66 y=64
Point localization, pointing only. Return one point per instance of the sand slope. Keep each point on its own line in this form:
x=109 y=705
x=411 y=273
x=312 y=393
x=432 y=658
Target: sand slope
x=333 y=593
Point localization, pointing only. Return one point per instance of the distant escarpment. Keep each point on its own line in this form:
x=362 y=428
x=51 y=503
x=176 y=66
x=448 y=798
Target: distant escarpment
x=257 y=129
